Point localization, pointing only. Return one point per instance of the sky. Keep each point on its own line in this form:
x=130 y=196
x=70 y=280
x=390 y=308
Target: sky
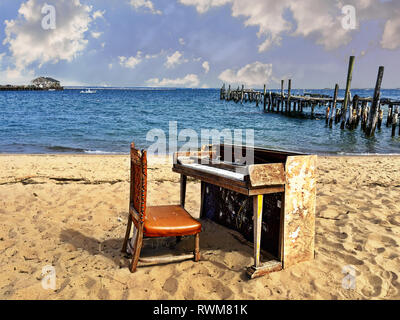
x=200 y=43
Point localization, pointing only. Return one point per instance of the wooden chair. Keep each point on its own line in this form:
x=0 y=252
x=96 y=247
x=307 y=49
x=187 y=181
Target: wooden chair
x=155 y=222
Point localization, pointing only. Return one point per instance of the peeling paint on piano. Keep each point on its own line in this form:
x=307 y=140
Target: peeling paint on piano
x=300 y=197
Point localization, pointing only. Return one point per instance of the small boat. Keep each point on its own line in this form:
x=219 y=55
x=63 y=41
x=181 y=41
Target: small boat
x=89 y=91
x=52 y=89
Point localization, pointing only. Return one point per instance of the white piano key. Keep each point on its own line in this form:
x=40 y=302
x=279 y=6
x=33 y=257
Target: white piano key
x=216 y=171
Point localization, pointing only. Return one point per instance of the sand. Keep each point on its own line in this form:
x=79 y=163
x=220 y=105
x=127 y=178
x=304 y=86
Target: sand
x=70 y=211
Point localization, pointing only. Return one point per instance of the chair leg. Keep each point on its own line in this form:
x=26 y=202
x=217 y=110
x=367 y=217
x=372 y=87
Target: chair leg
x=128 y=232
x=137 y=249
x=197 y=247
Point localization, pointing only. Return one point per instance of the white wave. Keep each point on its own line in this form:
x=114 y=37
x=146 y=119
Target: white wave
x=102 y=152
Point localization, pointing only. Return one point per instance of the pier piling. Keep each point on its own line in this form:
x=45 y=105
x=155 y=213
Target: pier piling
x=394 y=121
x=347 y=92
x=288 y=107
x=373 y=116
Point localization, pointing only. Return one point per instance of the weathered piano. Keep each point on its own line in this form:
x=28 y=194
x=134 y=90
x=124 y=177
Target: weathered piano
x=269 y=198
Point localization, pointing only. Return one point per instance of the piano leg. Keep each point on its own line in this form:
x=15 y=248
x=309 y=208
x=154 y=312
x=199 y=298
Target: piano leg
x=203 y=190
x=257 y=220
x=259 y=269
x=183 y=190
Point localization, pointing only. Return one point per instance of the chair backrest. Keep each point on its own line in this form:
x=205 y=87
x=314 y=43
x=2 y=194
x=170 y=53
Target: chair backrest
x=138 y=187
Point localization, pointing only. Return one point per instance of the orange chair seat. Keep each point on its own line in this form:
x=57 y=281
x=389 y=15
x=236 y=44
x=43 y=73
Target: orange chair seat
x=169 y=221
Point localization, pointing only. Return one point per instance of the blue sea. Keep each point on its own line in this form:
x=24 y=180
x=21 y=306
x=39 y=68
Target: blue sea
x=109 y=120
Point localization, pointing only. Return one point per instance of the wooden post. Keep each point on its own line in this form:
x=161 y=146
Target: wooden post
x=373 y=115
x=354 y=121
x=276 y=104
x=389 y=117
x=282 y=95
x=352 y=108
x=335 y=95
x=288 y=107
x=242 y=95
x=399 y=122
x=228 y=95
x=222 y=93
x=359 y=114
x=363 y=114
x=366 y=115
x=380 y=118
x=346 y=94
x=328 y=109
x=272 y=100
x=265 y=97
x=269 y=101
x=338 y=113
x=394 y=121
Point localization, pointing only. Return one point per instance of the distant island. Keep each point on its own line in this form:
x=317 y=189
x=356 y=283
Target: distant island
x=38 y=84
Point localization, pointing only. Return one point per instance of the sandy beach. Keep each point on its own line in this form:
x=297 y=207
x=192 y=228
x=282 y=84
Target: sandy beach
x=70 y=211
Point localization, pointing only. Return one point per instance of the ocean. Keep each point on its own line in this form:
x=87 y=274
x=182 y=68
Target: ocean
x=107 y=121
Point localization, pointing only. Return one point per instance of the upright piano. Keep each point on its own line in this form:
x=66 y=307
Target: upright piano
x=268 y=196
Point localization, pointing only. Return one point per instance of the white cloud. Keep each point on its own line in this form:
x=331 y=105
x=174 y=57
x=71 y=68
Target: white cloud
x=174 y=60
x=252 y=74
x=98 y=14
x=154 y=56
x=96 y=35
x=204 y=5
x=130 y=62
x=16 y=77
x=190 y=80
x=137 y=4
x=29 y=43
x=316 y=19
x=391 y=33
x=206 y=66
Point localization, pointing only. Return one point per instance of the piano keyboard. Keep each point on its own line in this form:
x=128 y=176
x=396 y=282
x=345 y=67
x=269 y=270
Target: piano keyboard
x=215 y=171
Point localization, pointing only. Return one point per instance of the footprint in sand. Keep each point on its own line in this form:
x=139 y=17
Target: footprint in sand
x=103 y=294
x=90 y=283
x=375 y=287
x=223 y=291
x=351 y=260
x=395 y=220
x=171 y=286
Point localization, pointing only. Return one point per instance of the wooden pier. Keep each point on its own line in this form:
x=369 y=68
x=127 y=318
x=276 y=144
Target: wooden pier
x=349 y=112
